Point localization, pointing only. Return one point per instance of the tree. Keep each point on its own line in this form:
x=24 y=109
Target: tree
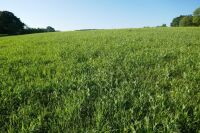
x=176 y=21
x=50 y=29
x=10 y=24
x=196 y=18
x=196 y=12
x=164 y=25
x=28 y=30
x=186 y=21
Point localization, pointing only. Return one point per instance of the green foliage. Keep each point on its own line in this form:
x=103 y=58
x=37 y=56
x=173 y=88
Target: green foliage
x=176 y=21
x=196 y=20
x=9 y=23
x=50 y=29
x=197 y=12
x=163 y=25
x=2 y=35
x=134 y=80
x=38 y=30
x=186 y=21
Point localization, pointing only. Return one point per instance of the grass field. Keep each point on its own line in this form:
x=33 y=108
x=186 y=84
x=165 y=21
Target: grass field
x=143 y=80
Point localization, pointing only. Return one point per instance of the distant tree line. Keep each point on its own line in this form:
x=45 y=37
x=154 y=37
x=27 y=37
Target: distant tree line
x=163 y=25
x=28 y=30
x=187 y=20
x=12 y=25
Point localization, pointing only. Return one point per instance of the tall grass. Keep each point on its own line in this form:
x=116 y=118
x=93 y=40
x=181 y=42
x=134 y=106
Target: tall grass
x=142 y=80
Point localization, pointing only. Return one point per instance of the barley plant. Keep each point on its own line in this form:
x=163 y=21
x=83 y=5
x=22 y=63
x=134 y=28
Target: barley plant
x=129 y=80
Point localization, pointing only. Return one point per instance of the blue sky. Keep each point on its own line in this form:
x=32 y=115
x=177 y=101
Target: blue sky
x=100 y=14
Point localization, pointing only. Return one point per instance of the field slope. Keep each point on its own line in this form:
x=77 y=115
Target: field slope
x=143 y=80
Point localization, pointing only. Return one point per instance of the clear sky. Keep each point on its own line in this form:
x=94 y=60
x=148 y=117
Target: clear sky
x=98 y=14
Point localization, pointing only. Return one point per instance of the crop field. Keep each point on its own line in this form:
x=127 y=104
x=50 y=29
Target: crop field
x=128 y=80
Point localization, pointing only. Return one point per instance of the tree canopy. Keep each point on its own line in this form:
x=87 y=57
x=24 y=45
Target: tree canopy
x=176 y=21
x=196 y=12
x=50 y=29
x=196 y=18
x=187 y=20
x=10 y=24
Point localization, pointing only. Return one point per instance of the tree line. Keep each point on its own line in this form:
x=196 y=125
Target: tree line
x=12 y=25
x=187 y=20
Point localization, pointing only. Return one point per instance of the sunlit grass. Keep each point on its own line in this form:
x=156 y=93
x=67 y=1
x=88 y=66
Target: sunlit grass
x=143 y=80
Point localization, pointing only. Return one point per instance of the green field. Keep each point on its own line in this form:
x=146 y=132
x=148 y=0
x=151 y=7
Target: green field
x=143 y=80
